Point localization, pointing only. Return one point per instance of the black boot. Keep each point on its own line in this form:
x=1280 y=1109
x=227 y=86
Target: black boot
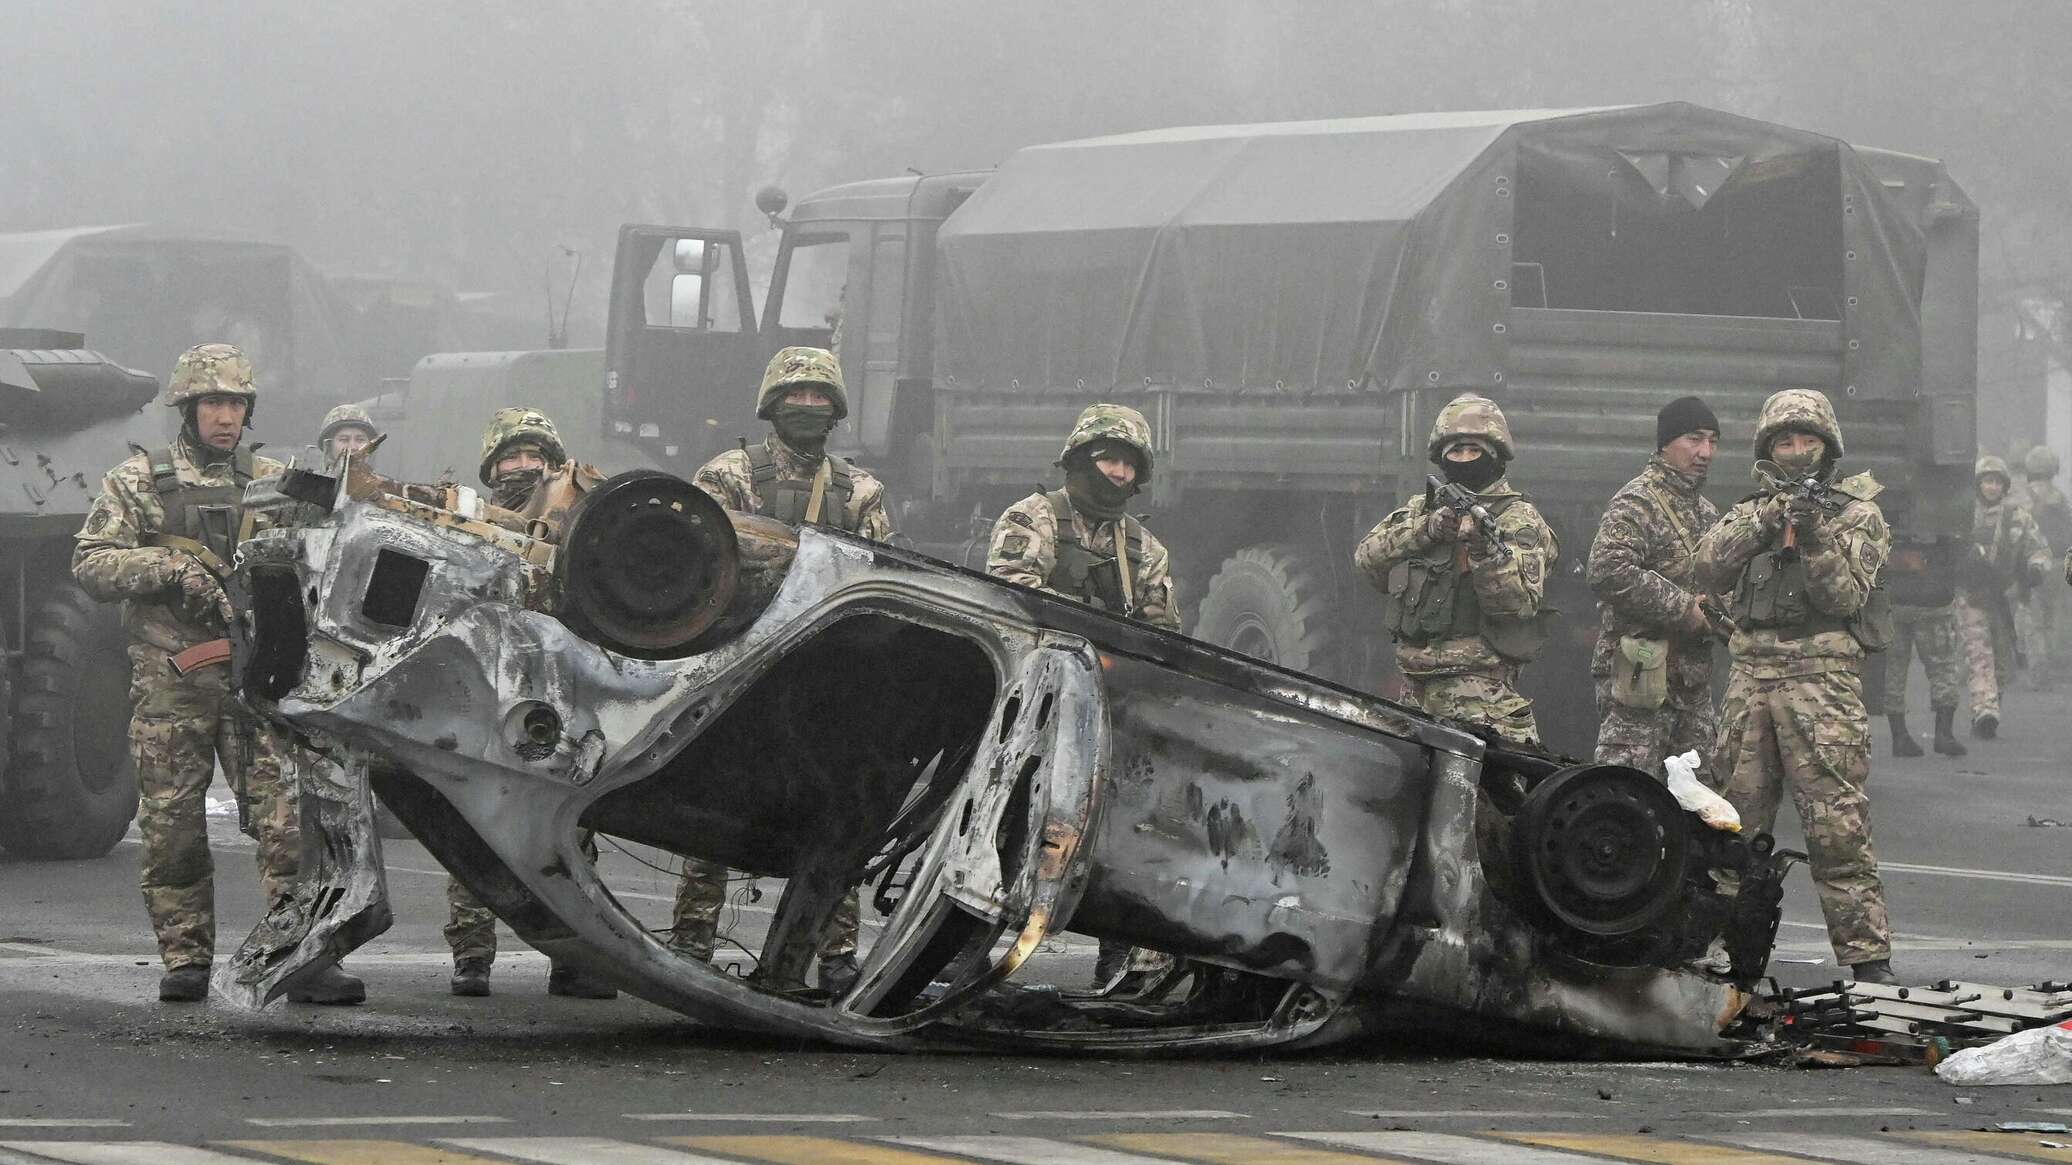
x=1873 y=971
x=471 y=977
x=188 y=984
x=331 y=986
x=1114 y=956
x=1903 y=742
x=573 y=983
x=1946 y=733
x=1985 y=725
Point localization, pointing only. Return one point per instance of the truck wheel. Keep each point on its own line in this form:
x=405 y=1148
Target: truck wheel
x=1268 y=602
x=72 y=790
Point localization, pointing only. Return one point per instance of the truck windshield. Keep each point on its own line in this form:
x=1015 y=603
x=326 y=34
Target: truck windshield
x=816 y=281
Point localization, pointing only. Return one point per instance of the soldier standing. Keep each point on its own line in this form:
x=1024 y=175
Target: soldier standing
x=2009 y=551
x=519 y=448
x=159 y=540
x=1080 y=543
x=1653 y=662
x=1801 y=576
x=789 y=476
x=1920 y=578
x=1464 y=608
x=2045 y=608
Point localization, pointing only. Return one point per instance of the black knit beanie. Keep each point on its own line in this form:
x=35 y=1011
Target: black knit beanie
x=1683 y=415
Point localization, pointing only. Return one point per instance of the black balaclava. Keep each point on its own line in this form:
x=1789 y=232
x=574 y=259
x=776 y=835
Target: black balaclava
x=513 y=490
x=1092 y=493
x=1476 y=475
x=803 y=427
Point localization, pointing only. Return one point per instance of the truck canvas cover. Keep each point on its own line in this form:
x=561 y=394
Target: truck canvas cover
x=1361 y=254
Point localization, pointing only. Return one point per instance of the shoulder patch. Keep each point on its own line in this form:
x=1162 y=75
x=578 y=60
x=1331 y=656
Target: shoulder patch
x=1021 y=519
x=1014 y=544
x=1861 y=486
x=98 y=520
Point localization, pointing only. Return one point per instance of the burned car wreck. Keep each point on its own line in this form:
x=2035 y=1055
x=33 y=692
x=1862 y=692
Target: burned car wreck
x=989 y=765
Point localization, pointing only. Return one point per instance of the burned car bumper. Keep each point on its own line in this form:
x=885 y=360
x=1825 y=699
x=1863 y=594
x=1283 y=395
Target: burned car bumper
x=988 y=766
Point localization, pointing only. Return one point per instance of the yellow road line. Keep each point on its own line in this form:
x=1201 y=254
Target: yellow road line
x=1660 y=1150
x=354 y=1152
x=795 y=1150
x=1230 y=1149
x=2009 y=1144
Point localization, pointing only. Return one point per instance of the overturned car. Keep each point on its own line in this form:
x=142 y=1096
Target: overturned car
x=988 y=765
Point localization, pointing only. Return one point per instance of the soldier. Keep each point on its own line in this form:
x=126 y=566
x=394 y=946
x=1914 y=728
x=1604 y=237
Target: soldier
x=2010 y=551
x=789 y=476
x=519 y=448
x=159 y=539
x=1653 y=662
x=2045 y=608
x=1079 y=542
x=1464 y=609
x=1801 y=577
x=347 y=429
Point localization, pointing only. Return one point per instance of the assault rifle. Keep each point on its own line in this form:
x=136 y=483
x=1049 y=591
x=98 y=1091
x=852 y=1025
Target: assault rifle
x=1457 y=498
x=1801 y=493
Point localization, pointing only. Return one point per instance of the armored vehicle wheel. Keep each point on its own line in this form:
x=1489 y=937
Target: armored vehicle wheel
x=1270 y=603
x=72 y=790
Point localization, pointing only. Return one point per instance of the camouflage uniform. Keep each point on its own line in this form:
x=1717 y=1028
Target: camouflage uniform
x=1457 y=670
x=2047 y=622
x=2011 y=551
x=1642 y=569
x=182 y=724
x=1932 y=631
x=1794 y=712
x=776 y=480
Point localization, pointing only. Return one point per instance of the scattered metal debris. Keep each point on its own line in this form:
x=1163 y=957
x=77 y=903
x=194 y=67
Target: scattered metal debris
x=1916 y=1025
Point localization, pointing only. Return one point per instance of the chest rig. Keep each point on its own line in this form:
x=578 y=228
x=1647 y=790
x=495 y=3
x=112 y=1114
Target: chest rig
x=790 y=499
x=1087 y=574
x=1430 y=596
x=207 y=521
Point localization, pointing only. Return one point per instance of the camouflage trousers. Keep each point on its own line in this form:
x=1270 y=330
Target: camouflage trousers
x=471 y=926
x=180 y=728
x=1639 y=738
x=1932 y=631
x=2042 y=623
x=701 y=894
x=1988 y=655
x=1811 y=733
x=1487 y=698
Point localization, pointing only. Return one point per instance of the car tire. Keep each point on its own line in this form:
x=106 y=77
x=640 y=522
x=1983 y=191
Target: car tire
x=72 y=789
x=1272 y=603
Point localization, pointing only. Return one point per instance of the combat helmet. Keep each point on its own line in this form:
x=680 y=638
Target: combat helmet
x=1798 y=408
x=1120 y=423
x=795 y=367
x=513 y=425
x=211 y=370
x=2041 y=461
x=344 y=417
x=1991 y=466
x=1470 y=415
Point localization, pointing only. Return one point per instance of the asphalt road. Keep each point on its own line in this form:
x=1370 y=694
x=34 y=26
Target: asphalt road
x=93 y=1068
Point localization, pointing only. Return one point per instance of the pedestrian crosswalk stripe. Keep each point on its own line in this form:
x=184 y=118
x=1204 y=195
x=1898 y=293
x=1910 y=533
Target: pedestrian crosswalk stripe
x=2005 y=1144
x=1028 y=1151
x=771 y=1118
x=1447 y=1148
x=59 y=1122
x=348 y=1152
x=811 y=1151
x=1857 y=1150
x=581 y=1151
x=1659 y=1150
x=1230 y=1149
x=124 y=1153
x=298 y=1122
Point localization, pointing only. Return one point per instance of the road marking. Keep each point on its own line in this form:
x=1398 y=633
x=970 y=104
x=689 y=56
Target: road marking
x=1469 y=1114
x=125 y=1153
x=1447 y=1148
x=1028 y=1151
x=582 y=1151
x=775 y=1118
x=1152 y=1114
x=1655 y=1149
x=360 y=1152
x=811 y=1151
x=2005 y=1144
x=297 y=1122
x=1756 y=1112
x=1231 y=1149
x=60 y=1122
x=1858 y=1150
x=1986 y=875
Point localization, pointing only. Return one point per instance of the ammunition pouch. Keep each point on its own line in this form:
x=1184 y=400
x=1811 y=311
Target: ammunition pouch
x=1084 y=573
x=1771 y=596
x=1640 y=673
x=1430 y=598
x=1872 y=624
x=789 y=499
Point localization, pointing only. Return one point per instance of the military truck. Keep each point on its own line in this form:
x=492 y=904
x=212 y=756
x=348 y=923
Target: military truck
x=67 y=787
x=1290 y=305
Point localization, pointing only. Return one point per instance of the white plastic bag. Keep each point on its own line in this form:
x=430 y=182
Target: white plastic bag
x=2041 y=1055
x=1710 y=807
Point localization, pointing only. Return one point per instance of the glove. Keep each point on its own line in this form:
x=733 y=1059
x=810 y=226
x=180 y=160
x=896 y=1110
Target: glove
x=1771 y=512
x=201 y=596
x=1441 y=525
x=1805 y=522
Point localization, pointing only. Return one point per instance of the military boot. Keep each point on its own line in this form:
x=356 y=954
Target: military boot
x=693 y=941
x=188 y=984
x=576 y=985
x=471 y=977
x=1113 y=957
x=1985 y=725
x=1872 y=971
x=1946 y=733
x=330 y=987
x=1903 y=742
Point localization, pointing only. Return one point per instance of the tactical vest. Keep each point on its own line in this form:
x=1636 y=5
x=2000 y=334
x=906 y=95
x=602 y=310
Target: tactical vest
x=1991 y=567
x=1085 y=573
x=207 y=521
x=1771 y=596
x=787 y=498
x=1430 y=598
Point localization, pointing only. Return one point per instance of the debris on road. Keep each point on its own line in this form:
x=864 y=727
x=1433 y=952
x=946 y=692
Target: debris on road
x=2041 y=1055
x=1918 y=1025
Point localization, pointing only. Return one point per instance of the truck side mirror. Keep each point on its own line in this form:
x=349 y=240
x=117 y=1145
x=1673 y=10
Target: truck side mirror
x=772 y=200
